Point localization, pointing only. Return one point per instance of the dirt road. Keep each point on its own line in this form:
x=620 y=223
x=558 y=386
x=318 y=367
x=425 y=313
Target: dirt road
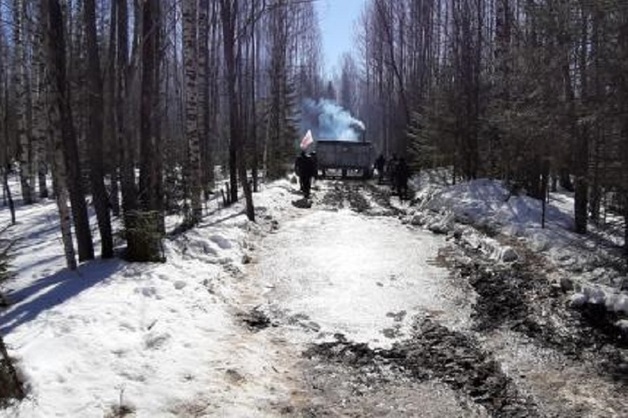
x=361 y=315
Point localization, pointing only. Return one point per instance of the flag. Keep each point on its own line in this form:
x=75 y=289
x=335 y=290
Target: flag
x=307 y=140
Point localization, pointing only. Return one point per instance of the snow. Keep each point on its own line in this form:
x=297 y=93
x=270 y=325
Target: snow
x=148 y=337
x=163 y=340
x=487 y=205
x=355 y=274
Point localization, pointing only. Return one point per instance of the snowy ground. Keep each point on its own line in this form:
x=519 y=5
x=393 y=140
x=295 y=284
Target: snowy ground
x=221 y=328
x=593 y=263
x=112 y=335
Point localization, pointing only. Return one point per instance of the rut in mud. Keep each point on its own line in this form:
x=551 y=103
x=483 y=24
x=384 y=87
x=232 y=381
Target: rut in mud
x=437 y=353
x=520 y=296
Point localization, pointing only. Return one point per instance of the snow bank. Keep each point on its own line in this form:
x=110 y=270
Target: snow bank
x=471 y=210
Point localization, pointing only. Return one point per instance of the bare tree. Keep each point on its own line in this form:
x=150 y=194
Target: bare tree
x=231 y=45
x=190 y=54
x=145 y=225
x=51 y=16
x=21 y=100
x=95 y=131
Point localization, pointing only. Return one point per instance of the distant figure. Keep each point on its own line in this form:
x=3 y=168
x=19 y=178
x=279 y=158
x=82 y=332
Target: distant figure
x=305 y=167
x=380 y=163
x=298 y=163
x=402 y=173
x=391 y=171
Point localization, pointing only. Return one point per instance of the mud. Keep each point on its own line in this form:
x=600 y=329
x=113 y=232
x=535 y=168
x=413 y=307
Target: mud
x=358 y=196
x=255 y=320
x=521 y=297
x=435 y=353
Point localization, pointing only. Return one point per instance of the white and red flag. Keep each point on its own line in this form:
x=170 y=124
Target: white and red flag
x=307 y=140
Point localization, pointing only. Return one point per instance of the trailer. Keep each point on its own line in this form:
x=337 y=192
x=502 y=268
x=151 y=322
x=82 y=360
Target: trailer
x=345 y=156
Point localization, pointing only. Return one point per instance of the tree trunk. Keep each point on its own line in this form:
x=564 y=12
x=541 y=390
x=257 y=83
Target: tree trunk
x=122 y=117
x=203 y=98
x=111 y=119
x=7 y=192
x=70 y=147
x=190 y=51
x=40 y=139
x=236 y=146
x=143 y=227
x=228 y=29
x=50 y=18
x=95 y=131
x=253 y=138
x=21 y=99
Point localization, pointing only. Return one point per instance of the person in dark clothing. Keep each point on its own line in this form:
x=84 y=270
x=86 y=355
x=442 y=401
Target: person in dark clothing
x=298 y=163
x=391 y=172
x=380 y=163
x=305 y=167
x=402 y=173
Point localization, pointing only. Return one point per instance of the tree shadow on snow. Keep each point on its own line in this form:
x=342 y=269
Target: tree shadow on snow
x=48 y=292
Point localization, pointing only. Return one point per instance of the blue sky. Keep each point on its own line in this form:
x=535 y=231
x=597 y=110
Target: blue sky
x=337 y=19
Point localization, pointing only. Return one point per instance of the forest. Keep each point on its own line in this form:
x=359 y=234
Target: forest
x=135 y=107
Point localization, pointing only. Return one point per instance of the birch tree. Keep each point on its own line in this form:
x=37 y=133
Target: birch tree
x=190 y=54
x=20 y=67
x=50 y=12
x=70 y=145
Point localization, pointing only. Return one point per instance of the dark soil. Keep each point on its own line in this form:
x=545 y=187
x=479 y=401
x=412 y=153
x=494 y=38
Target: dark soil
x=255 y=320
x=353 y=194
x=521 y=297
x=435 y=352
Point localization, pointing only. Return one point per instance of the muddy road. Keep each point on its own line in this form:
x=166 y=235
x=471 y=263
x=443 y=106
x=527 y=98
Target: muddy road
x=364 y=315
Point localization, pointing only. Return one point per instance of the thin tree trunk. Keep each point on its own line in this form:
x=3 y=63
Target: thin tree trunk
x=236 y=146
x=7 y=192
x=254 y=58
x=203 y=98
x=40 y=140
x=95 y=131
x=112 y=120
x=190 y=51
x=21 y=98
x=228 y=14
x=123 y=119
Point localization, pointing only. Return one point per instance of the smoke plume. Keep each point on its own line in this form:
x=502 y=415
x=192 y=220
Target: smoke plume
x=329 y=121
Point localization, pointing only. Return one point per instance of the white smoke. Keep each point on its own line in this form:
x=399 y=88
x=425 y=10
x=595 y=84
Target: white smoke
x=329 y=121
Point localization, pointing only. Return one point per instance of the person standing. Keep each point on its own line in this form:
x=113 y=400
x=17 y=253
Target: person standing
x=305 y=168
x=402 y=173
x=380 y=163
x=298 y=166
x=391 y=172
